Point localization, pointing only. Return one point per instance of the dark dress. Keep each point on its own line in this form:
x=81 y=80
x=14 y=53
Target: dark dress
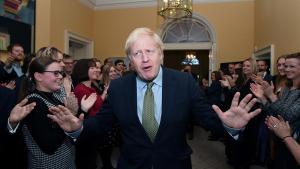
x=246 y=150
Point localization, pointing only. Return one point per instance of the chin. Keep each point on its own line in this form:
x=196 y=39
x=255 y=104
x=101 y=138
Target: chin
x=56 y=88
x=149 y=77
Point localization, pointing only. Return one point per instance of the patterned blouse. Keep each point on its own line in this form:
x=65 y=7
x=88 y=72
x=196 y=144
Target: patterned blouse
x=287 y=106
x=47 y=145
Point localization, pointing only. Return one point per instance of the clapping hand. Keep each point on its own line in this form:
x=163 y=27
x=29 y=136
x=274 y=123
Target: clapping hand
x=71 y=103
x=230 y=80
x=87 y=102
x=65 y=119
x=11 y=84
x=225 y=83
x=268 y=89
x=258 y=91
x=279 y=126
x=238 y=115
x=20 y=111
x=10 y=59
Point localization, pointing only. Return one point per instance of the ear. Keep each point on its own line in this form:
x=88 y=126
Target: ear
x=161 y=57
x=37 y=76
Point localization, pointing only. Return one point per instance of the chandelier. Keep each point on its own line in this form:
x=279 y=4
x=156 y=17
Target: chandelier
x=190 y=59
x=174 y=8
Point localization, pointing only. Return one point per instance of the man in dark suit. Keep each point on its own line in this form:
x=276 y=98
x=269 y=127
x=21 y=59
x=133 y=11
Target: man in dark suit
x=153 y=107
x=12 y=67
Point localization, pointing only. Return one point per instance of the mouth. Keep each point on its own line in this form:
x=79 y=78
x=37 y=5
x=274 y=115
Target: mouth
x=147 y=68
x=60 y=82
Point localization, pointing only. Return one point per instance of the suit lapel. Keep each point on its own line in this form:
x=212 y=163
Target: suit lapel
x=132 y=97
x=168 y=96
x=132 y=89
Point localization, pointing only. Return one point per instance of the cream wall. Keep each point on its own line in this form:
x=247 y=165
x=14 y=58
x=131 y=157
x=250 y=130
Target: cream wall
x=277 y=22
x=234 y=26
x=233 y=23
x=42 y=25
x=55 y=16
x=113 y=26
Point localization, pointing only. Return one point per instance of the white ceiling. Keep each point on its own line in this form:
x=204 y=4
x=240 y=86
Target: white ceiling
x=114 y=4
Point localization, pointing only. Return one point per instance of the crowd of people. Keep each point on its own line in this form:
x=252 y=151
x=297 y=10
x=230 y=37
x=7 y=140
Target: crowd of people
x=269 y=139
x=58 y=112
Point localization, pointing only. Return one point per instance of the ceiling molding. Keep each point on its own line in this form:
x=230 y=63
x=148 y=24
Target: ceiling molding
x=118 y=4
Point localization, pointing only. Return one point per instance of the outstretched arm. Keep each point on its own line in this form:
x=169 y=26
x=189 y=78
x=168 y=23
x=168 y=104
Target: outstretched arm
x=238 y=115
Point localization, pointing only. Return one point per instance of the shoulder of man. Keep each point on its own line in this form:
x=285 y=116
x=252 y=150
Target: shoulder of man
x=176 y=75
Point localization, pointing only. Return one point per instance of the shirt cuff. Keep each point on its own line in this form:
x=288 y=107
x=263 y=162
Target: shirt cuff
x=74 y=135
x=233 y=132
x=10 y=128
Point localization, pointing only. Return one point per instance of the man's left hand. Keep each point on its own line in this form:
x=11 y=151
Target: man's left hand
x=238 y=115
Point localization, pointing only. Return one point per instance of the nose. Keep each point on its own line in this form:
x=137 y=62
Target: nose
x=62 y=64
x=145 y=57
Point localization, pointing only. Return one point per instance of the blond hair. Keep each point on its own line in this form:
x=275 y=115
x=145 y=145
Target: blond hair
x=138 y=32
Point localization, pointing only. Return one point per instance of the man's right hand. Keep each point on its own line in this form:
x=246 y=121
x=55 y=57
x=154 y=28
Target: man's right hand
x=65 y=119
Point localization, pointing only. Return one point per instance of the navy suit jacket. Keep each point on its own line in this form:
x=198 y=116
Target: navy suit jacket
x=182 y=101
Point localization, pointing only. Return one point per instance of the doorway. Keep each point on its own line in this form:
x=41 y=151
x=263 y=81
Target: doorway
x=194 y=34
x=173 y=59
x=78 y=46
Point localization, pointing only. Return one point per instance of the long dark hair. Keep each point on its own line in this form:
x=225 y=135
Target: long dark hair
x=81 y=70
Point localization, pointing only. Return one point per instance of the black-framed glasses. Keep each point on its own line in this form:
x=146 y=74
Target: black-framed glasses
x=55 y=72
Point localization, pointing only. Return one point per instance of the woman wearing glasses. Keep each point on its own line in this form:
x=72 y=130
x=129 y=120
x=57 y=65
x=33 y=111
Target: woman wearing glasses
x=47 y=144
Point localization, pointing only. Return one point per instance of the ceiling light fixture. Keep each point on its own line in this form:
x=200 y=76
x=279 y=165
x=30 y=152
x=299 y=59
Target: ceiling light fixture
x=175 y=8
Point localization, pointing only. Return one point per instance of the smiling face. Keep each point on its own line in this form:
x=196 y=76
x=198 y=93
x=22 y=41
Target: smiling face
x=51 y=79
x=93 y=73
x=17 y=52
x=292 y=68
x=112 y=73
x=146 y=57
x=262 y=65
x=247 y=68
x=281 y=66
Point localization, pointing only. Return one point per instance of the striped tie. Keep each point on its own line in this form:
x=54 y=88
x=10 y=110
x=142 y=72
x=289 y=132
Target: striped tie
x=149 y=123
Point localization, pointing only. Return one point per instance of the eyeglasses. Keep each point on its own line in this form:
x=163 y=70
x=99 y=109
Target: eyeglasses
x=140 y=53
x=55 y=72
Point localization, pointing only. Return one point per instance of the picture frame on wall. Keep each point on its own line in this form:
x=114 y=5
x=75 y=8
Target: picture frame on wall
x=4 y=41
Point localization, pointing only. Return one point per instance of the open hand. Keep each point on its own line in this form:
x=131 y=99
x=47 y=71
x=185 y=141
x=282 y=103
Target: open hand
x=20 y=111
x=257 y=90
x=87 y=102
x=238 y=115
x=65 y=119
